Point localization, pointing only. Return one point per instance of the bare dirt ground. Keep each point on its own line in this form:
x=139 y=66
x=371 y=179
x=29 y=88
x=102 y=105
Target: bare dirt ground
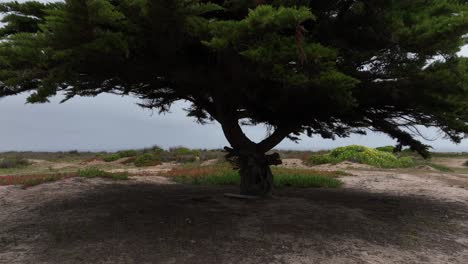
x=452 y=162
x=379 y=216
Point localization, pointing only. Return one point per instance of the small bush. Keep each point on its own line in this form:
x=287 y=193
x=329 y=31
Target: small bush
x=386 y=149
x=156 y=149
x=466 y=163
x=111 y=157
x=153 y=149
x=127 y=153
x=119 y=155
x=97 y=173
x=147 y=159
x=183 y=151
x=13 y=162
x=181 y=154
x=363 y=155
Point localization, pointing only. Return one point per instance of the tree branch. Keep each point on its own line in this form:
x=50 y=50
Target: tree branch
x=274 y=139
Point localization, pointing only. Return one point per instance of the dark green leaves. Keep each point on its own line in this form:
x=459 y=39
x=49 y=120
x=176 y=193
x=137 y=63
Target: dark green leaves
x=324 y=67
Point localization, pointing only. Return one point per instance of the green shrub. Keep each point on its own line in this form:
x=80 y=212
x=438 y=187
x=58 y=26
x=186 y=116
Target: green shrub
x=127 y=153
x=157 y=149
x=183 y=151
x=386 y=149
x=181 y=154
x=154 y=149
x=111 y=157
x=97 y=173
x=13 y=162
x=363 y=155
x=322 y=159
x=119 y=155
x=223 y=175
x=147 y=159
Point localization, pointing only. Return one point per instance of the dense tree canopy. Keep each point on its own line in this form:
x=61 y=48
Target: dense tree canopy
x=326 y=67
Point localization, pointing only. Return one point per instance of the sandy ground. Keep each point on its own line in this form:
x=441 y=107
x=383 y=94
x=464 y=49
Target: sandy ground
x=377 y=217
x=452 y=162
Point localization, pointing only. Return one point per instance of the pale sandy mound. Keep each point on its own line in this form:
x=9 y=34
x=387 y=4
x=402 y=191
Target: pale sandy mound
x=121 y=160
x=210 y=162
x=38 y=161
x=293 y=164
x=343 y=166
x=53 y=165
x=426 y=168
x=152 y=179
x=93 y=162
x=451 y=162
x=150 y=170
x=98 y=161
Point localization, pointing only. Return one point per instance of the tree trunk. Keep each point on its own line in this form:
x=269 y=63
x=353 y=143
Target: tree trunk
x=254 y=170
x=250 y=157
x=256 y=176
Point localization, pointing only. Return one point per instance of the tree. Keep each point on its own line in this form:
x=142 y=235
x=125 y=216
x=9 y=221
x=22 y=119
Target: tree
x=321 y=67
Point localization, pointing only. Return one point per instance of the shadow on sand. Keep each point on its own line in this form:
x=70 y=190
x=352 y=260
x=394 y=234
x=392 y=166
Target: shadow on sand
x=144 y=223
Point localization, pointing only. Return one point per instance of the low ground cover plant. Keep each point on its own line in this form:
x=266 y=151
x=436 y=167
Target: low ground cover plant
x=97 y=173
x=147 y=159
x=225 y=175
x=33 y=180
x=155 y=155
x=363 y=155
x=111 y=157
x=37 y=179
x=386 y=149
x=119 y=155
x=13 y=162
x=440 y=167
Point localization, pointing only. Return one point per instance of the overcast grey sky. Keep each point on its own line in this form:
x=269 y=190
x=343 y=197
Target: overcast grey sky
x=110 y=122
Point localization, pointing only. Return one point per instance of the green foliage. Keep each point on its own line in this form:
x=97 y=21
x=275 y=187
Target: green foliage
x=323 y=67
x=389 y=149
x=306 y=181
x=119 y=155
x=13 y=162
x=218 y=178
x=111 y=157
x=97 y=173
x=182 y=154
x=127 y=153
x=147 y=159
x=183 y=151
x=155 y=149
x=224 y=175
x=363 y=155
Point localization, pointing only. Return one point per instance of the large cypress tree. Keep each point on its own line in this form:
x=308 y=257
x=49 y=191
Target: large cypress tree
x=319 y=67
